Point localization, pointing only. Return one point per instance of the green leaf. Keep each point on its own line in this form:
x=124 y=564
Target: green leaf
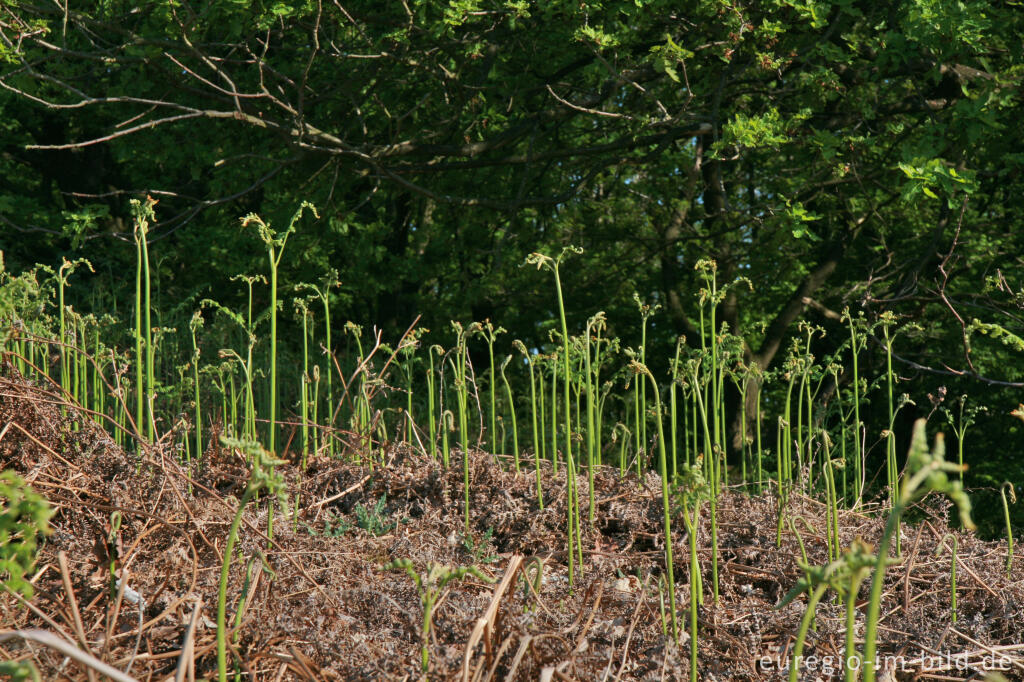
x=24 y=516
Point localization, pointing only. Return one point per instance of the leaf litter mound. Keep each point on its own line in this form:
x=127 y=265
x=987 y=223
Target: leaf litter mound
x=315 y=604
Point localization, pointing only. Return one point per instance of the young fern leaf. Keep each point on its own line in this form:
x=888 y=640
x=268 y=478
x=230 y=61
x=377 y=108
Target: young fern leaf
x=927 y=471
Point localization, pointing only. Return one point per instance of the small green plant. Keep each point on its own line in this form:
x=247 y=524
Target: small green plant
x=362 y=419
x=640 y=368
x=856 y=344
x=431 y=401
x=805 y=404
x=248 y=327
x=711 y=296
x=831 y=496
x=552 y=362
x=275 y=243
x=512 y=413
x=1007 y=486
x=693 y=491
x=336 y=526
x=458 y=365
x=532 y=584
x=407 y=351
x=323 y=292
x=572 y=503
x=711 y=473
x=447 y=426
x=479 y=548
x=252 y=569
x=373 y=519
x=263 y=476
x=113 y=549
x=661 y=606
x=859 y=562
x=24 y=516
x=591 y=378
x=19 y=671
x=647 y=311
x=144 y=389
x=537 y=441
x=67 y=335
x=195 y=323
x=804 y=562
x=430 y=586
x=623 y=440
x=952 y=572
x=304 y=314
x=490 y=334
x=960 y=422
x=927 y=471
x=844 y=575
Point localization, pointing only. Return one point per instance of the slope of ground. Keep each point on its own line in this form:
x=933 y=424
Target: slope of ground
x=318 y=606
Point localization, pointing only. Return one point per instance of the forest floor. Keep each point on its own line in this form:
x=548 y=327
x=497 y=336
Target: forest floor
x=318 y=605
